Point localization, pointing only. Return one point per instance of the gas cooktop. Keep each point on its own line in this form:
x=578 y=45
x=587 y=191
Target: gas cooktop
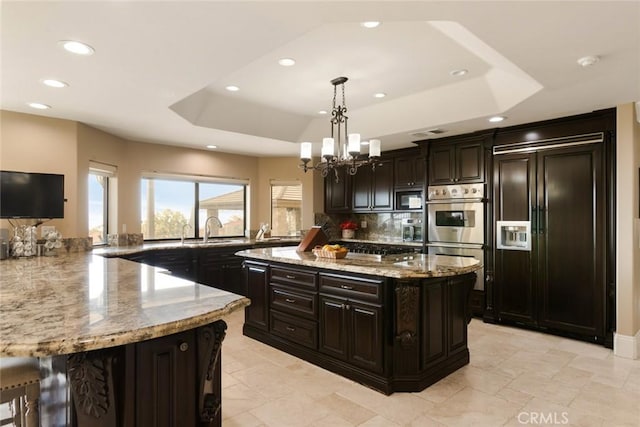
x=375 y=252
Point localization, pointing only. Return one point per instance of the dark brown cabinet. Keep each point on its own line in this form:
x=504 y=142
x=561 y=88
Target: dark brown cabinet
x=392 y=335
x=456 y=162
x=257 y=314
x=373 y=190
x=337 y=195
x=409 y=171
x=179 y=262
x=293 y=302
x=351 y=331
x=560 y=284
x=350 y=328
x=222 y=269
x=164 y=365
x=172 y=381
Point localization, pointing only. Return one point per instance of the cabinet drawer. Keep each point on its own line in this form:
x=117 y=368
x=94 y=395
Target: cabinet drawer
x=293 y=277
x=298 y=303
x=360 y=288
x=295 y=329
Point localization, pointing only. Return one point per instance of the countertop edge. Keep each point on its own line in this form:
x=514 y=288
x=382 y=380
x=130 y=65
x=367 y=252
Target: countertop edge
x=69 y=346
x=367 y=269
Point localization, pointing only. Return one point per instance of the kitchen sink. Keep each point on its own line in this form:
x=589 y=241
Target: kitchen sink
x=212 y=242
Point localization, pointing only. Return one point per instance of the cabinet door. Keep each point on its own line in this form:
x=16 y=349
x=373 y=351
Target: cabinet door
x=382 y=186
x=257 y=313
x=571 y=211
x=409 y=171
x=333 y=327
x=180 y=262
x=373 y=190
x=469 y=162
x=365 y=335
x=441 y=164
x=222 y=269
x=164 y=365
x=337 y=195
x=514 y=196
x=361 y=188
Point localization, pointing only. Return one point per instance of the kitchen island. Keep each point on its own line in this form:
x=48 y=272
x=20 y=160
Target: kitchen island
x=394 y=323
x=129 y=342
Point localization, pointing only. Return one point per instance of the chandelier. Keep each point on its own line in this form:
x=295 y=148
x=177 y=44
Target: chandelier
x=347 y=145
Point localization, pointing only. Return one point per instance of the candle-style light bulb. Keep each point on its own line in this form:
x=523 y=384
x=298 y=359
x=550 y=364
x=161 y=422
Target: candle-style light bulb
x=305 y=151
x=353 y=147
x=327 y=147
x=374 y=148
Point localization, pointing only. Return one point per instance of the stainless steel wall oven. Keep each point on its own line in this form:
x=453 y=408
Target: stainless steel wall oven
x=455 y=216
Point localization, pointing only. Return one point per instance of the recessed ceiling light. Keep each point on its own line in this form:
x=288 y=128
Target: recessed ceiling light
x=496 y=119
x=232 y=88
x=459 y=72
x=587 y=61
x=76 y=47
x=287 y=62
x=322 y=112
x=54 y=83
x=212 y=147
x=370 y=24
x=379 y=95
x=39 y=106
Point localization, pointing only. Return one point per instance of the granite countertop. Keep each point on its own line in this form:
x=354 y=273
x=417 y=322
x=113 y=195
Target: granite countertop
x=80 y=301
x=114 y=251
x=408 y=266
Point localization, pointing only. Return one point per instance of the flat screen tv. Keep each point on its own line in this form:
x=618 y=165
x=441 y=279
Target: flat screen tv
x=31 y=195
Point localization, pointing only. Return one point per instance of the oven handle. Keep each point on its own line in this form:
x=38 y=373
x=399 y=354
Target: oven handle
x=450 y=201
x=456 y=245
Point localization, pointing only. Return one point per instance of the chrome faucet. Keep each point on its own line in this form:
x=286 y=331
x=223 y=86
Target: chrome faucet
x=207 y=229
x=184 y=227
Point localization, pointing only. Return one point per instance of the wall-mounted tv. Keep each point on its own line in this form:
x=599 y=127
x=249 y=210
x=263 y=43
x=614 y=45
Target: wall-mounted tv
x=31 y=195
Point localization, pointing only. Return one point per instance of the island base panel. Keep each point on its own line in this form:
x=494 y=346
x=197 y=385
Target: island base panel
x=173 y=381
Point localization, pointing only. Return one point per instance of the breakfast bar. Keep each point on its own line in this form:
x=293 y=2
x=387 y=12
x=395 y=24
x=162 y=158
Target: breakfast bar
x=396 y=323
x=128 y=342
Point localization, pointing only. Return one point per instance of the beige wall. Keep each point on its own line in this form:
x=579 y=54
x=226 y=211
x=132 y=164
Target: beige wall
x=95 y=145
x=628 y=221
x=284 y=169
x=31 y=143
x=36 y=144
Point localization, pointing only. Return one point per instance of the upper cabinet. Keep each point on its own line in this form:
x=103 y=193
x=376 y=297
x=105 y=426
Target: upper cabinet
x=409 y=171
x=337 y=195
x=373 y=190
x=456 y=162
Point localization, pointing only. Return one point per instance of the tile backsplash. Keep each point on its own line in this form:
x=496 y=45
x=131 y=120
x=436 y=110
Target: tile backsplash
x=125 y=239
x=380 y=226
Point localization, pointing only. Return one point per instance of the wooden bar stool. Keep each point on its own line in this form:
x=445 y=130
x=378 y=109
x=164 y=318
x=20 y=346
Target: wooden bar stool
x=20 y=387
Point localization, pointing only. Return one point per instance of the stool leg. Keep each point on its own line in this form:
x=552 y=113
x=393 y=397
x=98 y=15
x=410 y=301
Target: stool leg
x=15 y=406
x=32 y=414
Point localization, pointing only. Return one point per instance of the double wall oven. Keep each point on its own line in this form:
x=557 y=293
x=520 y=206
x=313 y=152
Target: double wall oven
x=455 y=216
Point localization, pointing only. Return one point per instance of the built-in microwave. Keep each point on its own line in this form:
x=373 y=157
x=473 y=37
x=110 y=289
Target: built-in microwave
x=408 y=200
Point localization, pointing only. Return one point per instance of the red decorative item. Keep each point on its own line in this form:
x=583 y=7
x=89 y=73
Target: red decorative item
x=348 y=225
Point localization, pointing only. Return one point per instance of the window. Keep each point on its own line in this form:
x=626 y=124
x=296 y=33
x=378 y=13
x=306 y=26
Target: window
x=172 y=206
x=101 y=184
x=286 y=208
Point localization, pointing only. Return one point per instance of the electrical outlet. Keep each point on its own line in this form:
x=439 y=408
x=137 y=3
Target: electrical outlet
x=363 y=224
x=46 y=229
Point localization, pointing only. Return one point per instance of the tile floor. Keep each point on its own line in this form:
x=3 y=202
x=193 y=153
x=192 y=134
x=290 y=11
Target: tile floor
x=515 y=378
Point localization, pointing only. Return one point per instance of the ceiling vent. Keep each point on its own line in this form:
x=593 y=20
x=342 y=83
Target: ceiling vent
x=427 y=133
